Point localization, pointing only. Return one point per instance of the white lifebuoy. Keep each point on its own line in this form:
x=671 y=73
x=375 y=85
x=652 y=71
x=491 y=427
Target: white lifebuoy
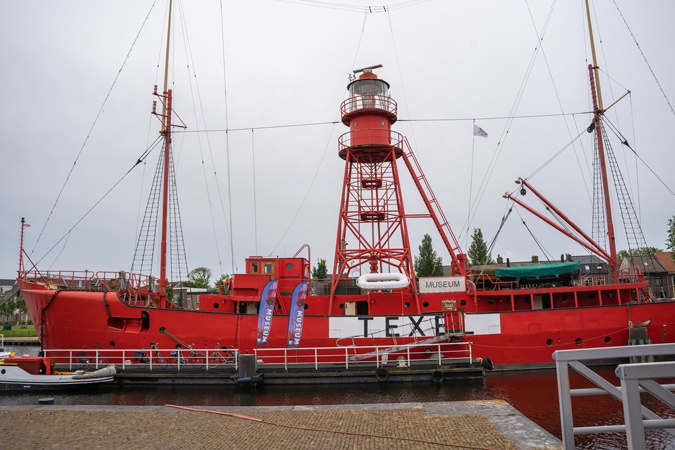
x=377 y=281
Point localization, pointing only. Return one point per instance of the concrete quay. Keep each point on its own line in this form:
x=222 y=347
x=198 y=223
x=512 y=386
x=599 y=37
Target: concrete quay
x=492 y=424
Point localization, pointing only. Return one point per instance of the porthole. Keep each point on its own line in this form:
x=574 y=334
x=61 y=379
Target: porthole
x=2 y=371
x=577 y=341
x=306 y=306
x=112 y=343
x=342 y=306
x=491 y=301
x=216 y=306
x=607 y=339
x=425 y=304
x=462 y=302
x=549 y=341
x=406 y=305
x=289 y=266
x=563 y=298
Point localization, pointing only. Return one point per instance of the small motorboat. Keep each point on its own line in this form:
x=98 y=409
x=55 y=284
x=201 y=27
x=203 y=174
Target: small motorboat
x=36 y=373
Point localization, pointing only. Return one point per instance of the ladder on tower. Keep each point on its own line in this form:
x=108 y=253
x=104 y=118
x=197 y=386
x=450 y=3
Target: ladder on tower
x=435 y=210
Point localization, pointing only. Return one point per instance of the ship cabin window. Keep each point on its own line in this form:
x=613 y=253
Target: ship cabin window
x=268 y=268
x=254 y=267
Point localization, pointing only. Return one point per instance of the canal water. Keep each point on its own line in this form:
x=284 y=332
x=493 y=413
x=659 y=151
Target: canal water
x=533 y=393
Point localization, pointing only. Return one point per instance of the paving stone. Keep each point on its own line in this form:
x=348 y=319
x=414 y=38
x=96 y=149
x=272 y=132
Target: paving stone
x=385 y=426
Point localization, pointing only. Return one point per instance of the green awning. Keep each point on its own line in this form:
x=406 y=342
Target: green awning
x=538 y=270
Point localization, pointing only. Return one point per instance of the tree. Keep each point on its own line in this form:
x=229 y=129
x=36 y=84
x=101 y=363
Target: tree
x=320 y=271
x=428 y=263
x=640 y=251
x=199 y=278
x=478 y=251
x=670 y=240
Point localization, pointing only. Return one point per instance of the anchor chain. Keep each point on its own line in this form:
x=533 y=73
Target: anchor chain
x=42 y=316
x=105 y=303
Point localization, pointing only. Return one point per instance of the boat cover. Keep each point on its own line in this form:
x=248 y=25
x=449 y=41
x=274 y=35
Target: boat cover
x=538 y=270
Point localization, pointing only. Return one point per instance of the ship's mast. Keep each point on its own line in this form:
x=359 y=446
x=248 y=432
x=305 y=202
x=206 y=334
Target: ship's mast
x=598 y=111
x=166 y=132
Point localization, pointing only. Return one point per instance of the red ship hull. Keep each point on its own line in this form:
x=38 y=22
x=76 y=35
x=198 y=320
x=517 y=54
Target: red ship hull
x=512 y=338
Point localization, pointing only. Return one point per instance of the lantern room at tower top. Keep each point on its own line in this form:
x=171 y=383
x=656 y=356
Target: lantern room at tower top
x=369 y=113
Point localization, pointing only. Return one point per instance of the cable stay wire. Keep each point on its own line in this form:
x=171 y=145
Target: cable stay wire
x=658 y=83
x=356 y=8
x=198 y=111
x=230 y=229
x=93 y=125
x=623 y=140
x=334 y=122
x=534 y=238
x=492 y=164
x=141 y=159
x=325 y=151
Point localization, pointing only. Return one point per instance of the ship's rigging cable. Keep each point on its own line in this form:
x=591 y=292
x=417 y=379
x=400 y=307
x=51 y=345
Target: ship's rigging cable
x=625 y=142
x=323 y=155
x=195 y=93
x=112 y=188
x=91 y=129
x=492 y=164
x=356 y=8
x=555 y=155
x=227 y=141
x=536 y=241
x=255 y=203
x=631 y=224
x=658 y=83
x=335 y=122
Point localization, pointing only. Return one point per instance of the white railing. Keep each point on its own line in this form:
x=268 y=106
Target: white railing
x=635 y=378
x=153 y=359
x=439 y=354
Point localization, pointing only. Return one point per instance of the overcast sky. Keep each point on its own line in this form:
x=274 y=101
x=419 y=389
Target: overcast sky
x=275 y=73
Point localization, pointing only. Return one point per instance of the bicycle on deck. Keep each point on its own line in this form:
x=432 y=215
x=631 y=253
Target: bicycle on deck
x=87 y=361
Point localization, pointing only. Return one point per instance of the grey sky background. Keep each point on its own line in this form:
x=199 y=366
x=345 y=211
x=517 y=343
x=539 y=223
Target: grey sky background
x=285 y=66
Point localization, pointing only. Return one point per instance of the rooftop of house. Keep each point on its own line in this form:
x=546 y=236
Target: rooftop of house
x=646 y=264
x=666 y=260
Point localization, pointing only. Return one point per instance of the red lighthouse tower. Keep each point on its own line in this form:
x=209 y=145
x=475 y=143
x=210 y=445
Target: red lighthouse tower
x=372 y=234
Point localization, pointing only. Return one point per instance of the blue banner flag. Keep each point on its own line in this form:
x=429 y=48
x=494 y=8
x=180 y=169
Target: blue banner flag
x=297 y=315
x=267 y=301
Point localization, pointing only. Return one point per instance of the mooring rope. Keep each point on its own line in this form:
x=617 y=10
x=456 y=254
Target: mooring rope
x=348 y=433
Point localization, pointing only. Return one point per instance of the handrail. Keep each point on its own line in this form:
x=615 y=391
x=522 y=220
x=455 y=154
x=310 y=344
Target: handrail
x=377 y=355
x=154 y=358
x=635 y=376
x=208 y=359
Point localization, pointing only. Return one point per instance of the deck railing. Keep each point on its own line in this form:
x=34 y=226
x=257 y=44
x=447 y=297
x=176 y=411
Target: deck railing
x=438 y=354
x=152 y=359
x=87 y=280
x=635 y=378
x=347 y=357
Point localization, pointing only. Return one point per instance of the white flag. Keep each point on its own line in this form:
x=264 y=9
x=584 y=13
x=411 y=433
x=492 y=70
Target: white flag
x=478 y=131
